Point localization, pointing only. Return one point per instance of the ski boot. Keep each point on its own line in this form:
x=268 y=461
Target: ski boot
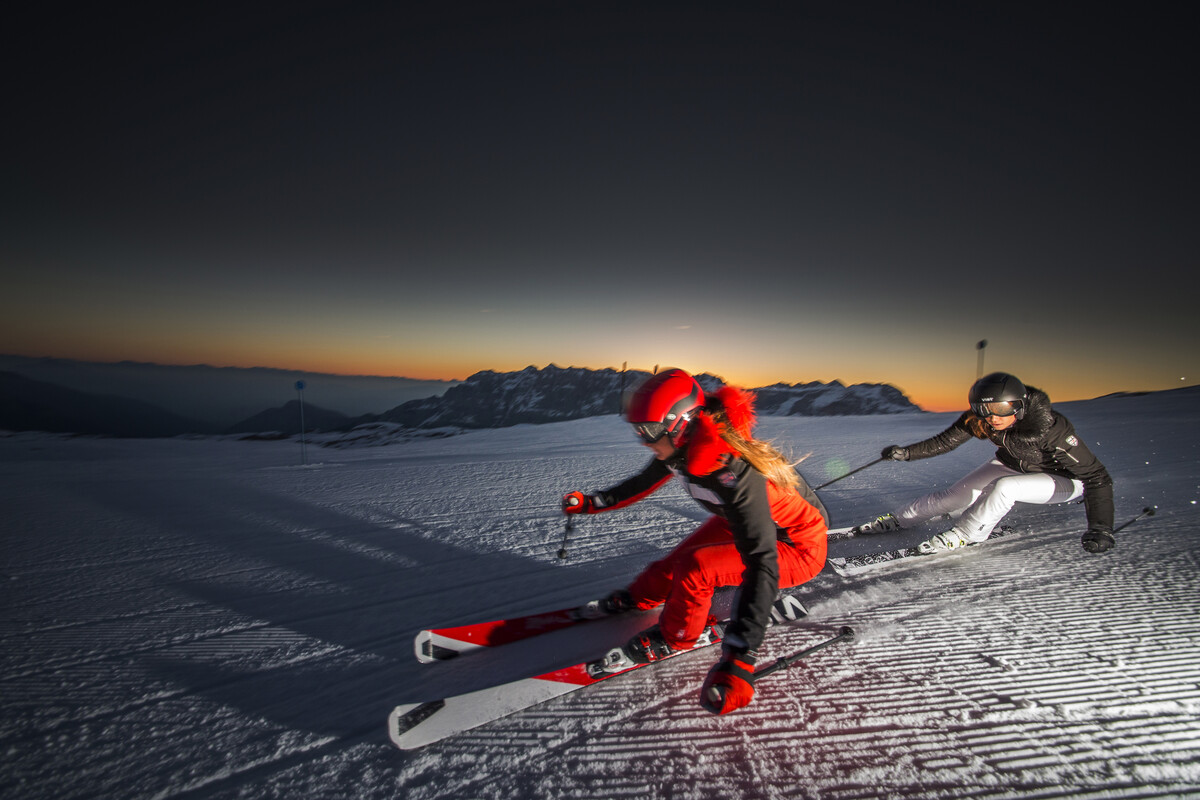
x=943 y=542
x=647 y=647
x=643 y=648
x=882 y=524
x=618 y=602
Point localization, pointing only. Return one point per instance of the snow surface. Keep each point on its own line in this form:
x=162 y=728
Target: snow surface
x=210 y=618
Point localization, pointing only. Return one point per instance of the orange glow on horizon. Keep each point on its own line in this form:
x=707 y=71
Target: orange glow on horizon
x=934 y=380
x=437 y=367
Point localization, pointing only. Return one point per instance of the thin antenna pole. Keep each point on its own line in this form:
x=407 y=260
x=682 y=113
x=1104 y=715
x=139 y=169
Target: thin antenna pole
x=303 y=443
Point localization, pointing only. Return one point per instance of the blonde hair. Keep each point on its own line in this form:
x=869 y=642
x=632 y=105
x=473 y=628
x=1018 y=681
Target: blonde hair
x=761 y=455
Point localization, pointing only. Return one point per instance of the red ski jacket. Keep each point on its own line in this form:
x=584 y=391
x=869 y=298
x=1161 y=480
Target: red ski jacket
x=760 y=514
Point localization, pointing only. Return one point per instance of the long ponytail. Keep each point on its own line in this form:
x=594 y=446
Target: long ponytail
x=761 y=455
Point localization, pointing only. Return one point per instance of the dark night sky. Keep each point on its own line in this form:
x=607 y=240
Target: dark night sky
x=771 y=192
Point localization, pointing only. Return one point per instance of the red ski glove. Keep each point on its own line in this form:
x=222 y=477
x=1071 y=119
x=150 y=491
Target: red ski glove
x=730 y=684
x=578 y=503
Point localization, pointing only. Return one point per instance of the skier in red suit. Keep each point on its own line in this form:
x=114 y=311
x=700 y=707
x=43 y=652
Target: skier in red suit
x=768 y=529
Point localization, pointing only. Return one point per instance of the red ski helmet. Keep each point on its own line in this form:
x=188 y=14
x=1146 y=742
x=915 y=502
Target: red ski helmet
x=664 y=404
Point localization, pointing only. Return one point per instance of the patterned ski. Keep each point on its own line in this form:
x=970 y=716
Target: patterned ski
x=854 y=565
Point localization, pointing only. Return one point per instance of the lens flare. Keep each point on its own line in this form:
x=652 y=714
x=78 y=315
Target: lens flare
x=836 y=468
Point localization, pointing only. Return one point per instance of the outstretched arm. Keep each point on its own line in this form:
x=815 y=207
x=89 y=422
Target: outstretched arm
x=623 y=494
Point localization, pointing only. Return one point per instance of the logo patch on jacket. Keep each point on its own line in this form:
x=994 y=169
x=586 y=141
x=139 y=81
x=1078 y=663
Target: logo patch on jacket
x=727 y=478
x=1071 y=440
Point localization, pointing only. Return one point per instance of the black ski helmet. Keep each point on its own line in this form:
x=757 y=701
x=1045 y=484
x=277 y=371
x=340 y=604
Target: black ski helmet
x=999 y=394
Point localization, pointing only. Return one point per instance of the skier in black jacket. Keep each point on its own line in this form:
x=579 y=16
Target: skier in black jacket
x=1040 y=460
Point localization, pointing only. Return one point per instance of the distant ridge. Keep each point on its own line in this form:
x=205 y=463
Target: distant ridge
x=487 y=399
x=223 y=396
x=553 y=394
x=33 y=405
x=286 y=420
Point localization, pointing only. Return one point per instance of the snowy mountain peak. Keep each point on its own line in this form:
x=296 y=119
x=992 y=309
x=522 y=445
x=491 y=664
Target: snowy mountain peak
x=490 y=399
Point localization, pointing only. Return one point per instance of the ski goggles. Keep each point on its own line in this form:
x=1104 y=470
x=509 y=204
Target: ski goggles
x=651 y=432
x=999 y=408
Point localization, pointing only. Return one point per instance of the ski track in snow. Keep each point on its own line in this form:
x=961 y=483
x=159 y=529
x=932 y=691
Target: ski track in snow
x=209 y=618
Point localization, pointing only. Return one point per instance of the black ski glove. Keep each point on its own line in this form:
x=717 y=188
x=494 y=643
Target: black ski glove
x=1098 y=540
x=895 y=452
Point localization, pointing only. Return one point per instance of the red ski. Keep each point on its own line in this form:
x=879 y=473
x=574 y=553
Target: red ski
x=414 y=725
x=439 y=644
x=417 y=724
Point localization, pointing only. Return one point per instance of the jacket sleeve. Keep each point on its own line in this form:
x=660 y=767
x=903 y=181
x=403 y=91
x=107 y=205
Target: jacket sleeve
x=629 y=491
x=1098 y=504
x=748 y=513
x=1076 y=459
x=944 y=442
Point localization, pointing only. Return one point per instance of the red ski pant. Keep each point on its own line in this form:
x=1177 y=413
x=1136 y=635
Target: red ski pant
x=685 y=580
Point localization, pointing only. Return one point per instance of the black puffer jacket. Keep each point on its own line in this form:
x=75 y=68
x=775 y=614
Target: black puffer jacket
x=1043 y=441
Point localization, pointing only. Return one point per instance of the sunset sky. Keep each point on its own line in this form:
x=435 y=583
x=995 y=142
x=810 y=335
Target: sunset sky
x=765 y=191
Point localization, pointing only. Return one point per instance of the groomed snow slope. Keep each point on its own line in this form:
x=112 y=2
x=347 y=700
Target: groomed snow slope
x=209 y=618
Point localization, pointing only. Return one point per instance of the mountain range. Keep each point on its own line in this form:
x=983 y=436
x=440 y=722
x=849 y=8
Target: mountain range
x=486 y=399
x=554 y=394
x=220 y=397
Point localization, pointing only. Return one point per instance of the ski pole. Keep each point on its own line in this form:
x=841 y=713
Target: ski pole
x=562 y=551
x=848 y=474
x=1148 y=511
x=845 y=635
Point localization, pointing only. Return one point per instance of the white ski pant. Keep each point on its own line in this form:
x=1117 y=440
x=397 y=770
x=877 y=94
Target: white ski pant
x=986 y=495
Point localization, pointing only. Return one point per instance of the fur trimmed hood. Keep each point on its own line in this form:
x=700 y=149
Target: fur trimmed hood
x=705 y=451
x=1024 y=438
x=1038 y=417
